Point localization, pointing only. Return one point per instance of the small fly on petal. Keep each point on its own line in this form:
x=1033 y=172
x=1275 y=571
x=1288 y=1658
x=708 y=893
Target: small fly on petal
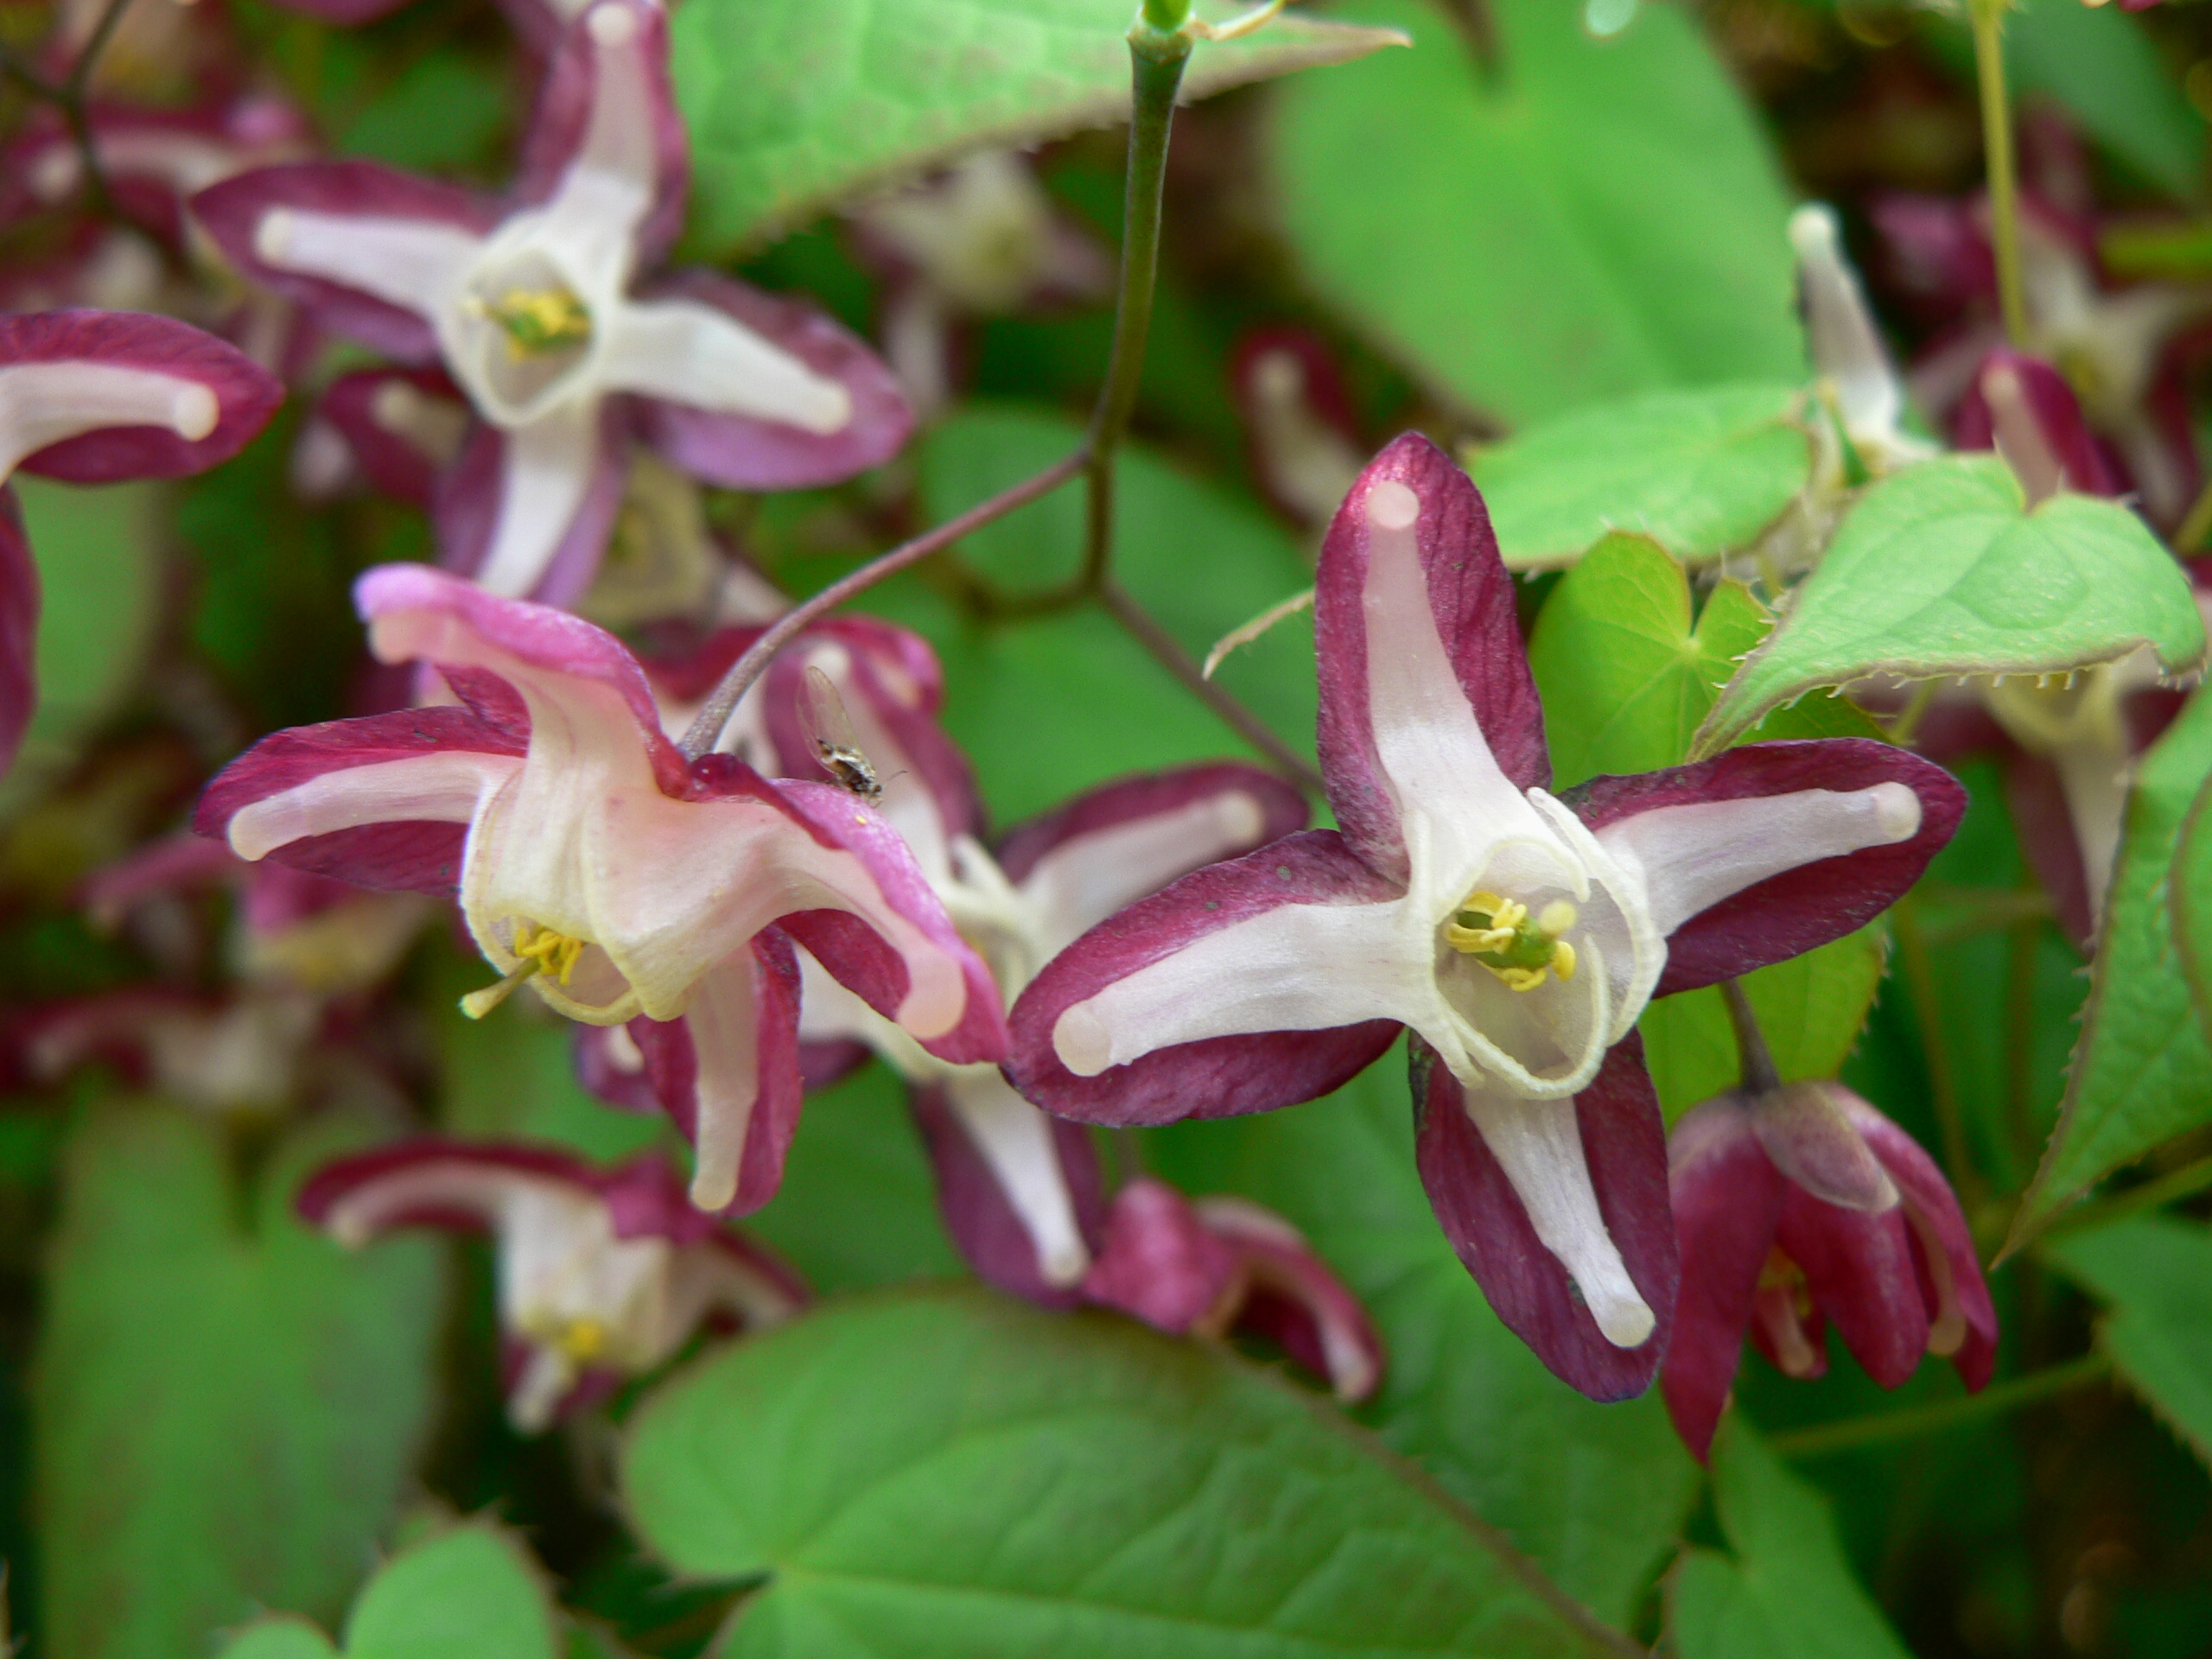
x=829 y=729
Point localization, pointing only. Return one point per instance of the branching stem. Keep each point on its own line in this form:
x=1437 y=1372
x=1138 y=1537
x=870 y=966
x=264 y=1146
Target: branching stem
x=1757 y=1076
x=1160 y=48
x=1881 y=1428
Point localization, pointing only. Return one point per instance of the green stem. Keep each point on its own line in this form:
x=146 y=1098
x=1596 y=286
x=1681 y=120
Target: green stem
x=2022 y=941
x=1886 y=1425
x=1757 y=1075
x=1942 y=1083
x=1156 y=61
x=1988 y=19
x=1907 y=720
x=1168 y=653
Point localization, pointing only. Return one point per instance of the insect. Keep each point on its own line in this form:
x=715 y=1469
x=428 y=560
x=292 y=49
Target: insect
x=822 y=716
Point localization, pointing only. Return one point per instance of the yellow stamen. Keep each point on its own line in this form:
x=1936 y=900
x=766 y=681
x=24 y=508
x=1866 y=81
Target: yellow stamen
x=543 y=951
x=1497 y=932
x=583 y=1340
x=538 y=319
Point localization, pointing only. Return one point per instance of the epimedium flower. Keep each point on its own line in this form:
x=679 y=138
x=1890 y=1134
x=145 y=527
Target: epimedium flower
x=1518 y=935
x=1021 y=1193
x=93 y=398
x=603 y=1275
x=2068 y=742
x=1848 y=354
x=1215 y=1266
x=1301 y=440
x=593 y=863
x=1799 y=1205
x=543 y=312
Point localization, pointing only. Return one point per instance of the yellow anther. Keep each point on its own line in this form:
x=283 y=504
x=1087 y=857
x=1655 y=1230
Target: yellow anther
x=555 y=953
x=540 y=319
x=583 y=1340
x=1497 y=932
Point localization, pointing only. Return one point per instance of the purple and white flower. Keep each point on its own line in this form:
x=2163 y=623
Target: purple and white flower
x=592 y=861
x=1518 y=934
x=1805 y=1204
x=543 y=312
x=92 y=397
x=603 y=1275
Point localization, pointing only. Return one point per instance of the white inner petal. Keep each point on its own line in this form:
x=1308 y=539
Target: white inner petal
x=441 y=787
x=1087 y=878
x=1694 y=855
x=1435 y=757
x=1015 y=1140
x=724 y=1025
x=1845 y=348
x=545 y=472
x=415 y=263
x=44 y=403
x=1539 y=1146
x=1294 y=968
x=688 y=352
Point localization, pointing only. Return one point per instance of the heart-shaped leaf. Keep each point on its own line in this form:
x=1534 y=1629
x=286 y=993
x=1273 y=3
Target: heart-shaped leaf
x=1941 y=570
x=1585 y=219
x=1462 y=1396
x=1701 y=472
x=797 y=105
x=227 y=1403
x=1789 y=1587
x=2142 y=1071
x=948 y=1470
x=468 y=1593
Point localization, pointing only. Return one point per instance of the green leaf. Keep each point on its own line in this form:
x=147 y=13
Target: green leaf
x=951 y=1471
x=2142 y=1072
x=441 y=112
x=1596 y=218
x=797 y=105
x=1810 y=1009
x=2155 y=1272
x=468 y=1593
x=1701 y=472
x=2108 y=74
x=1025 y=698
x=98 y=558
x=2190 y=884
x=1787 y=1589
x=1938 y=570
x=1462 y=1396
x=228 y=1405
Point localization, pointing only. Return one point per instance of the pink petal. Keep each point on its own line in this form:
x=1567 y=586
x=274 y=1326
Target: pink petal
x=344 y=14
x=1295 y=1299
x=611 y=1067
x=2035 y=421
x=1159 y=1263
x=727 y=1074
x=1221 y=1075
x=1943 y=1251
x=394 y=461
x=1727 y=1200
x=415 y=855
x=562 y=120
x=430 y=1181
x=232 y=212
x=181 y=863
x=742 y=453
x=1624 y=1143
x=1799 y=909
x=1859 y=1269
x=1472 y=607
x=245 y=394
x=983 y=1223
